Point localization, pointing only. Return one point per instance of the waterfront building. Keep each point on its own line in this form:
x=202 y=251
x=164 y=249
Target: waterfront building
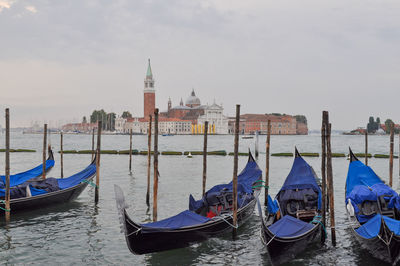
x=217 y=122
x=79 y=127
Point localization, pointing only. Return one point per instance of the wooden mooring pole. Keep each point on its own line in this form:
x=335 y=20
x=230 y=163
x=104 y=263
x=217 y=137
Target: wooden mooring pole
x=329 y=174
x=323 y=175
x=7 y=195
x=96 y=194
x=148 y=162
x=235 y=170
x=44 y=150
x=205 y=158
x=62 y=154
x=155 y=164
x=256 y=145
x=93 y=144
x=267 y=147
x=391 y=155
x=366 y=147
x=130 y=150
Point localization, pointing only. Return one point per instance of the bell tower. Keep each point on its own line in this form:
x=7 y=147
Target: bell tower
x=149 y=93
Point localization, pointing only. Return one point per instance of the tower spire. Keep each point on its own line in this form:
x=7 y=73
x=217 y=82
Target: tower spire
x=149 y=73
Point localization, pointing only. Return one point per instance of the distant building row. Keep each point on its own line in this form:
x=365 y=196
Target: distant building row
x=190 y=118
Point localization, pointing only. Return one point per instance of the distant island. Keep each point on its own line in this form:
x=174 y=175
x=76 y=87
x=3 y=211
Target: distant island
x=375 y=127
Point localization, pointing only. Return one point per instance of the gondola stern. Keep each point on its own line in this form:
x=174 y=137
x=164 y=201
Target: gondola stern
x=51 y=155
x=296 y=153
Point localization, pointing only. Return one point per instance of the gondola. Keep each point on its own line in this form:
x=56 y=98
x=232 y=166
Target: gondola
x=31 y=174
x=373 y=211
x=293 y=220
x=37 y=194
x=208 y=217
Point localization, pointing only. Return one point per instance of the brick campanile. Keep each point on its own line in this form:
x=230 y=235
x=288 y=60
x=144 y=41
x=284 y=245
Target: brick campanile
x=149 y=94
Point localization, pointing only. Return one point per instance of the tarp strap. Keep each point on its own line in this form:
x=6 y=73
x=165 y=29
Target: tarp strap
x=89 y=182
x=260 y=181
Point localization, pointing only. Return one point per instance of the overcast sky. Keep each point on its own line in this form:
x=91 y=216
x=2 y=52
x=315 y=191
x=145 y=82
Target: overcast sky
x=59 y=60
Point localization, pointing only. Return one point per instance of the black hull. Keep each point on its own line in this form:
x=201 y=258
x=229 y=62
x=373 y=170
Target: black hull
x=40 y=201
x=281 y=250
x=385 y=247
x=162 y=240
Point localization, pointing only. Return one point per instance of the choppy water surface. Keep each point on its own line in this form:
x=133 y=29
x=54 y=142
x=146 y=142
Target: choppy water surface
x=82 y=233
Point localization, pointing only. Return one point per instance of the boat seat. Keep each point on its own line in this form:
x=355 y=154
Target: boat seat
x=384 y=206
x=306 y=214
x=310 y=202
x=293 y=206
x=368 y=208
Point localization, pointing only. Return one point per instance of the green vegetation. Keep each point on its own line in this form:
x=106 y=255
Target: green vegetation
x=309 y=154
x=384 y=156
x=107 y=119
x=69 y=151
x=18 y=150
x=145 y=152
x=222 y=153
x=301 y=119
x=338 y=155
x=171 y=153
x=283 y=154
x=239 y=153
x=363 y=155
x=134 y=152
x=373 y=125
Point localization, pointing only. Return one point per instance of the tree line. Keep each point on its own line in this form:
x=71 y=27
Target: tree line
x=107 y=119
x=374 y=125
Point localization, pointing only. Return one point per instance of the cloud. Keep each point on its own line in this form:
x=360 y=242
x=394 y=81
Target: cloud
x=5 y=4
x=31 y=9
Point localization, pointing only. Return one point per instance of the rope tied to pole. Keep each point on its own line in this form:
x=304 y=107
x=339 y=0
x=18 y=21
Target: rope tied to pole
x=260 y=186
x=4 y=209
x=319 y=222
x=89 y=182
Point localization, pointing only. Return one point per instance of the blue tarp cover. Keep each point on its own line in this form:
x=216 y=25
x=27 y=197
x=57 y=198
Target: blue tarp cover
x=272 y=205
x=371 y=228
x=301 y=176
x=51 y=184
x=20 y=178
x=289 y=226
x=360 y=174
x=250 y=174
x=185 y=218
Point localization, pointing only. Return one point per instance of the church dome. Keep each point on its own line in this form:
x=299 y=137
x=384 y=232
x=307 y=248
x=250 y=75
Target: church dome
x=192 y=100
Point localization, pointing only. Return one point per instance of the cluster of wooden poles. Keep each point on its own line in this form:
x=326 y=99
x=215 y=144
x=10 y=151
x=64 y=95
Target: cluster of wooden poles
x=7 y=199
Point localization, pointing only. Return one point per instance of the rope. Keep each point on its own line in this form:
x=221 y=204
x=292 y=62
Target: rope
x=260 y=186
x=4 y=209
x=135 y=232
x=259 y=181
x=319 y=222
x=236 y=227
x=89 y=182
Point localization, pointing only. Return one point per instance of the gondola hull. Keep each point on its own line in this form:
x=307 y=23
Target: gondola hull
x=160 y=240
x=281 y=250
x=385 y=247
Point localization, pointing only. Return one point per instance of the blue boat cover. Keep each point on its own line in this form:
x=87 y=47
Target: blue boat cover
x=272 y=205
x=301 y=176
x=363 y=184
x=301 y=181
x=371 y=228
x=249 y=175
x=50 y=184
x=20 y=178
x=185 y=218
x=289 y=226
x=360 y=174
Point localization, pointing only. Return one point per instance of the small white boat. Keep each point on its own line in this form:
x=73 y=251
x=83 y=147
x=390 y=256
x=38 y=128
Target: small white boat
x=189 y=155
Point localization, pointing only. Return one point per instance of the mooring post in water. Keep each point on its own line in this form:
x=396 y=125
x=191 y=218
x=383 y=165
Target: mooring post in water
x=155 y=164
x=267 y=146
x=205 y=157
x=399 y=154
x=62 y=154
x=256 y=145
x=235 y=170
x=323 y=175
x=130 y=150
x=148 y=162
x=96 y=194
x=330 y=180
x=366 y=147
x=93 y=144
x=7 y=195
x=44 y=150
x=391 y=155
